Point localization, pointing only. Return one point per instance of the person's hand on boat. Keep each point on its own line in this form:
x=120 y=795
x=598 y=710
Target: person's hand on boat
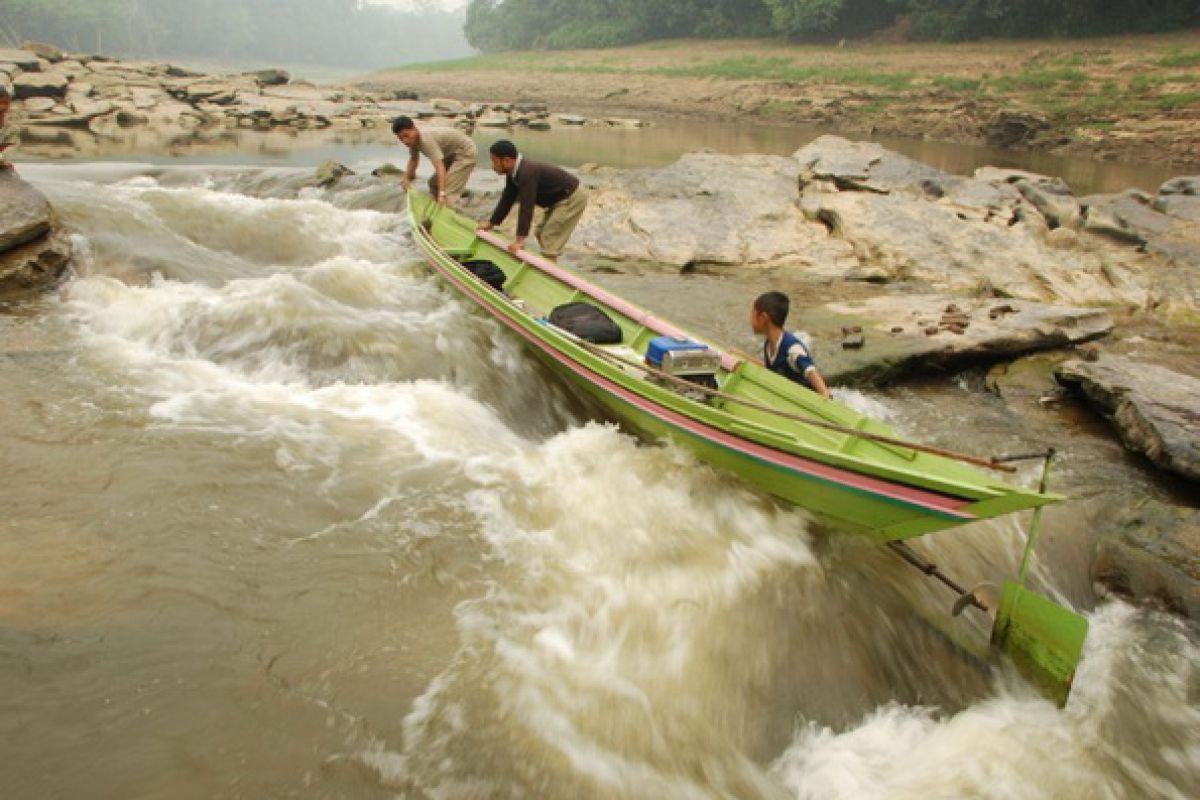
x=405 y=182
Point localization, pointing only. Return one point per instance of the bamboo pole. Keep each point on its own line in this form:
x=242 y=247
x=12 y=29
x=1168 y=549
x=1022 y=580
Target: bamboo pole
x=990 y=463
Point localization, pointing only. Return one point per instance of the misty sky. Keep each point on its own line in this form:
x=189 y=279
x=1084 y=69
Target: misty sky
x=407 y=4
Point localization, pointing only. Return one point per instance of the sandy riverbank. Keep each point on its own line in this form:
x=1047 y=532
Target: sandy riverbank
x=1132 y=98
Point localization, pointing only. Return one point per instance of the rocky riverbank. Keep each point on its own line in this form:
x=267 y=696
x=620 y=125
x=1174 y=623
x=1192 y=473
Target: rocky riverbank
x=906 y=270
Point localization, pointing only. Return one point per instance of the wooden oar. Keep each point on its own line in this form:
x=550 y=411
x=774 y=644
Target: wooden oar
x=716 y=393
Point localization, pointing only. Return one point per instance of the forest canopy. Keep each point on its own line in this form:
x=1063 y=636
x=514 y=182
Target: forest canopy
x=560 y=24
x=346 y=33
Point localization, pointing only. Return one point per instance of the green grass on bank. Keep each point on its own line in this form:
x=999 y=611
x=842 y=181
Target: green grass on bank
x=1084 y=85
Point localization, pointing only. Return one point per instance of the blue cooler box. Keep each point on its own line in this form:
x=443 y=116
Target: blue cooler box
x=681 y=356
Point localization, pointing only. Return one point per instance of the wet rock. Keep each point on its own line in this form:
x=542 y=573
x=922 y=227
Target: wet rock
x=33 y=255
x=330 y=172
x=1156 y=411
x=1149 y=551
x=493 y=121
x=570 y=119
x=25 y=214
x=1030 y=327
x=388 y=170
x=1028 y=380
x=34 y=267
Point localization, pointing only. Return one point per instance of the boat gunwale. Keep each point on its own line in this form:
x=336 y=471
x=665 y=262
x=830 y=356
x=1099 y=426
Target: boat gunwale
x=930 y=502
x=516 y=318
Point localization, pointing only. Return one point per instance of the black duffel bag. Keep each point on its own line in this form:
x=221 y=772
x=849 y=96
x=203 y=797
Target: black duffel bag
x=587 y=322
x=487 y=272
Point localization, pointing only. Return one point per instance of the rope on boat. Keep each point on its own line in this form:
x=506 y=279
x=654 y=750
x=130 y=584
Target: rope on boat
x=989 y=463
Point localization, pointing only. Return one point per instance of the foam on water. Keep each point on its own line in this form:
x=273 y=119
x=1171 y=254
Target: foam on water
x=632 y=634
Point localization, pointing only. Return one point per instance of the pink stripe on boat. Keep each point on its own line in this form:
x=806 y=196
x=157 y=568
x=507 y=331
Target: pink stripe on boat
x=950 y=506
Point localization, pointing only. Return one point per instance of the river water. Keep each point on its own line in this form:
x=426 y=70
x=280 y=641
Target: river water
x=283 y=517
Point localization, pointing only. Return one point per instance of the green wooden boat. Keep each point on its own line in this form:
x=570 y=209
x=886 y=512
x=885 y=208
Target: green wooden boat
x=849 y=470
x=773 y=433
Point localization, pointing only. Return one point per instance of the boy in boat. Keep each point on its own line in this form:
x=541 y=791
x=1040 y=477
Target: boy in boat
x=783 y=352
x=532 y=183
x=8 y=136
x=451 y=152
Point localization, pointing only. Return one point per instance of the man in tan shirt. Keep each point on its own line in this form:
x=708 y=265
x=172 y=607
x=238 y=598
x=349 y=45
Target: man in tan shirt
x=451 y=152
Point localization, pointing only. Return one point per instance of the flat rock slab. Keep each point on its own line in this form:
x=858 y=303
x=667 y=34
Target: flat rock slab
x=919 y=334
x=1155 y=410
x=706 y=209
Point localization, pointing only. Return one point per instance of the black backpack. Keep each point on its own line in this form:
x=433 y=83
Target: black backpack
x=587 y=322
x=487 y=272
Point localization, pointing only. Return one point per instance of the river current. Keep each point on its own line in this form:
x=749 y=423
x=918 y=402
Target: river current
x=283 y=517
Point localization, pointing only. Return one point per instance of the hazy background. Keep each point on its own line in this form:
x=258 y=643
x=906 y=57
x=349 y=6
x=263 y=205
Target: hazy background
x=353 y=34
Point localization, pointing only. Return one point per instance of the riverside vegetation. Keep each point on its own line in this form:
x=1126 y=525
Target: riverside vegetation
x=1131 y=97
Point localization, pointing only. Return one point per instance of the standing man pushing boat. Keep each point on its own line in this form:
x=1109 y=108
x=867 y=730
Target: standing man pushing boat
x=451 y=152
x=783 y=352
x=532 y=183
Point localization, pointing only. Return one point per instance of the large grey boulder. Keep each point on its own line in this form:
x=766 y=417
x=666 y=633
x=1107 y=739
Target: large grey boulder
x=1155 y=410
x=906 y=334
x=706 y=209
x=32 y=256
x=25 y=214
x=968 y=248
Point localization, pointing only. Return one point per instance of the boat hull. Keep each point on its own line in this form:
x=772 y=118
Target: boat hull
x=841 y=488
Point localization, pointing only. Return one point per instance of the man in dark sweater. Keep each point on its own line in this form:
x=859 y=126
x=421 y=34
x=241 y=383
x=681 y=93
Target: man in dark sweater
x=532 y=183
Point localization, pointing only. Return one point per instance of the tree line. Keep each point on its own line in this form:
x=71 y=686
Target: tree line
x=564 y=24
x=348 y=33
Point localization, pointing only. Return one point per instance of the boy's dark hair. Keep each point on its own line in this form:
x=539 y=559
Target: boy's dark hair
x=402 y=123
x=4 y=92
x=775 y=305
x=503 y=148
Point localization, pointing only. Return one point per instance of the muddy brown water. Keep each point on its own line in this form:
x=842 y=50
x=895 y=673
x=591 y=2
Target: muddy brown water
x=284 y=517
